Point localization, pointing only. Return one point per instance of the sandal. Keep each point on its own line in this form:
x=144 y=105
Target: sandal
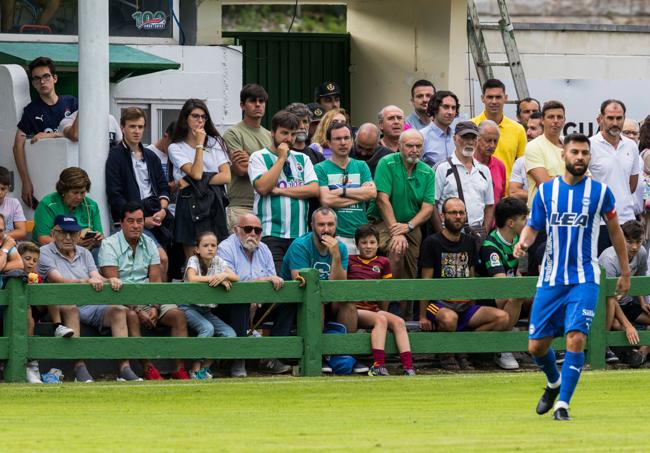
x=448 y=362
x=464 y=363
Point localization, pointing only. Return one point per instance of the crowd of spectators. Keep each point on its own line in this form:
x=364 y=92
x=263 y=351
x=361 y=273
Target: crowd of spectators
x=424 y=195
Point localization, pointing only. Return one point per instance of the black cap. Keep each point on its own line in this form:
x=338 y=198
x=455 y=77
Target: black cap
x=326 y=89
x=317 y=111
x=466 y=128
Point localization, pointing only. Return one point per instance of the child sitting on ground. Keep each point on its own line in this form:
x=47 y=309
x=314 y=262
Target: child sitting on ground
x=368 y=266
x=205 y=266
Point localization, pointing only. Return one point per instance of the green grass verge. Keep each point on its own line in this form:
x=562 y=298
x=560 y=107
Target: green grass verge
x=487 y=412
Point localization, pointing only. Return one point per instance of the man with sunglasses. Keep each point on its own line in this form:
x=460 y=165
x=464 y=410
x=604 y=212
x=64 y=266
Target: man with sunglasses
x=283 y=181
x=345 y=185
x=40 y=118
x=251 y=260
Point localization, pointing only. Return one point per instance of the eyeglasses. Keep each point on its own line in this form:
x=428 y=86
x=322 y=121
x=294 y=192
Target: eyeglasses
x=66 y=233
x=345 y=179
x=248 y=228
x=43 y=78
x=455 y=213
x=198 y=116
x=633 y=133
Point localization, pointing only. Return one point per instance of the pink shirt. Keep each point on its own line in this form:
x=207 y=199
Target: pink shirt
x=498 y=172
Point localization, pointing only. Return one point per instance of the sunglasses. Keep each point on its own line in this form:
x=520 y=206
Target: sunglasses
x=248 y=228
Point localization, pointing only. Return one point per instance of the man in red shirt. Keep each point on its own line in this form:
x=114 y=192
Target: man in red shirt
x=488 y=139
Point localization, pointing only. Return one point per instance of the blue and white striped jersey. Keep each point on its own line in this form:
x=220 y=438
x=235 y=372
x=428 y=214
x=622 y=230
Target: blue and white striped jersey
x=571 y=215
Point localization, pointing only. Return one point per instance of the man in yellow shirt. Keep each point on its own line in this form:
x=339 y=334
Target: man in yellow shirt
x=513 y=136
x=543 y=158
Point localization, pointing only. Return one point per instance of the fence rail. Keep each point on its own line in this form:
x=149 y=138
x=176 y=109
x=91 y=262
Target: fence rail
x=308 y=346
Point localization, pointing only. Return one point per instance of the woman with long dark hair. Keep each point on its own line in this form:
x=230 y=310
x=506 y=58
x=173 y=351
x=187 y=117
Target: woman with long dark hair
x=200 y=159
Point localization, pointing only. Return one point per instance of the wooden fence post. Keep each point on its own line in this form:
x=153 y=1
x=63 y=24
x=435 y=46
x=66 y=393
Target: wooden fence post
x=597 y=340
x=16 y=331
x=309 y=324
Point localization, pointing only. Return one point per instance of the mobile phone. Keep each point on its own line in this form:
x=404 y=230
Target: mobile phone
x=90 y=235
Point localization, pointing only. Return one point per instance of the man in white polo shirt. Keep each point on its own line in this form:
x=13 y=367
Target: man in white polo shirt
x=615 y=162
x=475 y=178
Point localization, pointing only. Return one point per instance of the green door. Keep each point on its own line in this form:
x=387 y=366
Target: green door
x=291 y=65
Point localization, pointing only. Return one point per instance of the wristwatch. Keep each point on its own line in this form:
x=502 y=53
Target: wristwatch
x=411 y=227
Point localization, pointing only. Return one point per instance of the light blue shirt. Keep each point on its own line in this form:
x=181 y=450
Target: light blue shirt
x=438 y=146
x=414 y=121
x=132 y=268
x=235 y=256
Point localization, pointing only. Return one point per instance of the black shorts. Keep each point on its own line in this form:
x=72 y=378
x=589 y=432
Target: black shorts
x=632 y=311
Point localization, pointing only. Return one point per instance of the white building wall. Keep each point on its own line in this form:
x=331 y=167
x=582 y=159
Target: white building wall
x=580 y=68
x=211 y=73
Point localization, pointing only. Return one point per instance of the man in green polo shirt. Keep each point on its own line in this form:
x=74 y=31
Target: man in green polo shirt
x=405 y=197
x=345 y=185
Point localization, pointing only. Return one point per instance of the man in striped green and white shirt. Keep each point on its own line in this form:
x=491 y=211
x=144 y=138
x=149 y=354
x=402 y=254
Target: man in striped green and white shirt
x=283 y=181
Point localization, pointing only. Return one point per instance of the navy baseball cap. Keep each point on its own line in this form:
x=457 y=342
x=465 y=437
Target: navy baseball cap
x=317 y=111
x=67 y=223
x=466 y=128
x=327 y=89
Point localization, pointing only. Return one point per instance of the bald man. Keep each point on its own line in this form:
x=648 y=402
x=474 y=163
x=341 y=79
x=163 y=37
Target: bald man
x=367 y=147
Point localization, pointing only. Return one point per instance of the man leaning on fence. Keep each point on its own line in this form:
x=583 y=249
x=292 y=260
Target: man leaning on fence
x=251 y=260
x=133 y=257
x=63 y=261
x=452 y=254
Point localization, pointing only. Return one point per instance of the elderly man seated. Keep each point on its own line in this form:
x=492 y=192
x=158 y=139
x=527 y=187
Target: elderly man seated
x=63 y=261
x=251 y=260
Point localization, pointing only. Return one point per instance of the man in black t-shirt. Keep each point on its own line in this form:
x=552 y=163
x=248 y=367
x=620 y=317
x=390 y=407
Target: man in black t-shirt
x=452 y=254
x=40 y=118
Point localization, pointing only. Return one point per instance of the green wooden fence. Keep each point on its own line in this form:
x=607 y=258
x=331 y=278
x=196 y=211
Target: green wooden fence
x=308 y=346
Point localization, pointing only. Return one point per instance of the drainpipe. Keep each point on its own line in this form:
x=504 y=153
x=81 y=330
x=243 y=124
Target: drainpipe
x=94 y=98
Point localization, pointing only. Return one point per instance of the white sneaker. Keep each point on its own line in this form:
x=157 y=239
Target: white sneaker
x=33 y=376
x=360 y=368
x=506 y=361
x=63 y=331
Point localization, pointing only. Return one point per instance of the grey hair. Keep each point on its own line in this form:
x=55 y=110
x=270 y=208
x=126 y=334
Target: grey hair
x=408 y=132
x=299 y=109
x=487 y=123
x=380 y=114
x=368 y=127
x=324 y=210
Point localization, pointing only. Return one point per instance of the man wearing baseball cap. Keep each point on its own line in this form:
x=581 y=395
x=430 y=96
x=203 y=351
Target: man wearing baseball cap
x=475 y=178
x=317 y=112
x=63 y=261
x=328 y=94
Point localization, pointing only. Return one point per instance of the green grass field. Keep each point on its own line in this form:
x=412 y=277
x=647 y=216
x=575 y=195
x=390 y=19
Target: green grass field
x=452 y=412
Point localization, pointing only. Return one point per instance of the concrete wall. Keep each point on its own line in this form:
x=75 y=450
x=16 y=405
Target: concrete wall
x=580 y=68
x=396 y=43
x=210 y=73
